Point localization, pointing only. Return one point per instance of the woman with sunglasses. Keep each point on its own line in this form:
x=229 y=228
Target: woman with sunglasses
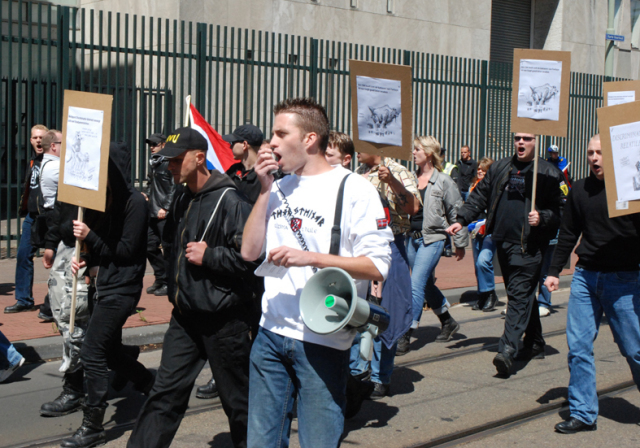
x=441 y=199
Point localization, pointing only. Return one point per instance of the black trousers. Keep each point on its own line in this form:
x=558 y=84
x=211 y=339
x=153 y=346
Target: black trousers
x=521 y=272
x=102 y=348
x=190 y=340
x=154 y=253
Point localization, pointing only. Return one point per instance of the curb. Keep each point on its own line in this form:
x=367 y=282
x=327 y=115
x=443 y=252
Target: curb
x=43 y=349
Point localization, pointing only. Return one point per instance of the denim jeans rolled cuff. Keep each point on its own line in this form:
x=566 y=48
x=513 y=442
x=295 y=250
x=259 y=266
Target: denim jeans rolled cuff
x=423 y=261
x=382 y=362
x=9 y=356
x=282 y=368
x=483 y=252
x=593 y=294
x=24 y=264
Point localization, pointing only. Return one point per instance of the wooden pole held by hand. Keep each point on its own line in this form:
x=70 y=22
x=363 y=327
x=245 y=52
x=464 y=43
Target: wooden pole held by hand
x=72 y=317
x=188 y=113
x=535 y=177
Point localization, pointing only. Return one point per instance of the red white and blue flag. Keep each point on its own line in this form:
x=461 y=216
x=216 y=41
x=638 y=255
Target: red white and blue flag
x=219 y=155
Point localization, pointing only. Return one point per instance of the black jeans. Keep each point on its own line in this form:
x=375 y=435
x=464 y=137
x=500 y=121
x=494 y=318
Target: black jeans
x=103 y=350
x=521 y=272
x=190 y=340
x=154 y=253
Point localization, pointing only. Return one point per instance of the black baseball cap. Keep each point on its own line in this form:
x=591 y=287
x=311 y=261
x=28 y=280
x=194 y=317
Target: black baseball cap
x=181 y=140
x=155 y=139
x=247 y=132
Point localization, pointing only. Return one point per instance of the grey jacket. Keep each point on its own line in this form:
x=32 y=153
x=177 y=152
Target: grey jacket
x=441 y=203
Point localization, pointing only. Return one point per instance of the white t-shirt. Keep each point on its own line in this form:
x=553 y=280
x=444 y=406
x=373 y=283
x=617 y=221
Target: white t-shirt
x=312 y=200
x=49 y=179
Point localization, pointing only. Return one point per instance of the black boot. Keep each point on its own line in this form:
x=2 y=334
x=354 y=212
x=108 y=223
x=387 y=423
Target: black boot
x=449 y=327
x=482 y=299
x=90 y=433
x=209 y=390
x=69 y=400
x=403 y=343
x=492 y=299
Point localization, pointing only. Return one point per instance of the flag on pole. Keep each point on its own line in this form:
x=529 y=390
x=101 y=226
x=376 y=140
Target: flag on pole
x=219 y=155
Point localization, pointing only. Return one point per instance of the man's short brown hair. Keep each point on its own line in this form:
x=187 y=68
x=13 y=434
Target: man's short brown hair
x=312 y=117
x=49 y=138
x=343 y=142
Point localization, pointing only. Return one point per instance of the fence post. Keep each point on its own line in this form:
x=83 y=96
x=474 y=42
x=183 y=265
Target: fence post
x=201 y=67
x=64 y=23
x=313 y=74
x=484 y=92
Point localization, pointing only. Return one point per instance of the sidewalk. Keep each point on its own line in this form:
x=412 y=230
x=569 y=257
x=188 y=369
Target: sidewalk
x=39 y=341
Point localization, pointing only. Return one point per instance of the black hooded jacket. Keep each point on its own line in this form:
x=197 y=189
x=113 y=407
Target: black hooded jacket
x=118 y=242
x=224 y=282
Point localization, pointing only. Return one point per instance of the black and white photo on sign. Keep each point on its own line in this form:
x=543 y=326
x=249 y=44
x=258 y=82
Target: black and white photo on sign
x=83 y=139
x=539 y=89
x=615 y=98
x=379 y=106
x=625 y=148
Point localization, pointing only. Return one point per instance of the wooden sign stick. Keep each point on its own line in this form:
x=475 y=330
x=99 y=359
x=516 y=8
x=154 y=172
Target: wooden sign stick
x=72 y=317
x=535 y=177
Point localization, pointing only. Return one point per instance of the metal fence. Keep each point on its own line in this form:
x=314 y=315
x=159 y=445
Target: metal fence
x=234 y=76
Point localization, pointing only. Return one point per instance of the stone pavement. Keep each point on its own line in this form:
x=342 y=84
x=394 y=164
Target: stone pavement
x=37 y=340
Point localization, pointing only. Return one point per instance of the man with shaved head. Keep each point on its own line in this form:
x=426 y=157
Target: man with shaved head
x=606 y=280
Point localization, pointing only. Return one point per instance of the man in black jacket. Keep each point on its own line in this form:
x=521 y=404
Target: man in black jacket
x=160 y=194
x=117 y=243
x=605 y=281
x=212 y=290
x=245 y=143
x=468 y=169
x=521 y=233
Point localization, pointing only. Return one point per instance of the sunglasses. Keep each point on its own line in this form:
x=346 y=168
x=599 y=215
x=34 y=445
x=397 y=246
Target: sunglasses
x=526 y=139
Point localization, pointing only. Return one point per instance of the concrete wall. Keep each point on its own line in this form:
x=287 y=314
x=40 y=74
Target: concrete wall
x=451 y=27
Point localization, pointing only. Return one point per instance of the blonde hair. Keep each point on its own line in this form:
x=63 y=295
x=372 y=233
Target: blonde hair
x=39 y=127
x=431 y=147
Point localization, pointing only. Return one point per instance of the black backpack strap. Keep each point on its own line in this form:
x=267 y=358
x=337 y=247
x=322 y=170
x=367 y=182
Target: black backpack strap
x=334 y=248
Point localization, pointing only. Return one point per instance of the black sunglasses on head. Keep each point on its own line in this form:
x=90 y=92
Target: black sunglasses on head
x=526 y=139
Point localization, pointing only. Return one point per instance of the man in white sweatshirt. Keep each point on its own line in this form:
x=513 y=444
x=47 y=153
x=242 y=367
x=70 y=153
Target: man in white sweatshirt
x=295 y=215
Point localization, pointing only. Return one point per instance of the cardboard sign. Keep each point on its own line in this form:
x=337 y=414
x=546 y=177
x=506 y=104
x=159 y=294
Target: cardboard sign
x=540 y=92
x=382 y=109
x=84 y=159
x=620 y=140
x=621 y=92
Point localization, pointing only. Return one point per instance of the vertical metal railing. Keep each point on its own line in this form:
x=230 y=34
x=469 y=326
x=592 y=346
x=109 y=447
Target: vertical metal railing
x=234 y=76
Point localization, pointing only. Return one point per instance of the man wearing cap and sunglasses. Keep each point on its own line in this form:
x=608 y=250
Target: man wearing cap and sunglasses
x=212 y=290
x=522 y=234
x=160 y=189
x=245 y=143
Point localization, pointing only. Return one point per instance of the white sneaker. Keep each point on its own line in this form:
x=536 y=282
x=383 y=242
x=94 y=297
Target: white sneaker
x=504 y=311
x=8 y=372
x=544 y=311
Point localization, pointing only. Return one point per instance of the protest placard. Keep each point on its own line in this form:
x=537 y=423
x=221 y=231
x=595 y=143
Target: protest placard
x=620 y=92
x=382 y=110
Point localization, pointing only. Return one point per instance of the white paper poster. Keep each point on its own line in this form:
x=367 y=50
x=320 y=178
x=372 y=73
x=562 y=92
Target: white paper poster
x=615 y=98
x=83 y=140
x=539 y=89
x=379 y=102
x=625 y=147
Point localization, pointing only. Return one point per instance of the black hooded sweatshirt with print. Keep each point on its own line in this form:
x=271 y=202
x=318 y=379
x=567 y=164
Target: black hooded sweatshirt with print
x=118 y=242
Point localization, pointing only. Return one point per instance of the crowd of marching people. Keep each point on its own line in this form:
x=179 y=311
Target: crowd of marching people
x=291 y=206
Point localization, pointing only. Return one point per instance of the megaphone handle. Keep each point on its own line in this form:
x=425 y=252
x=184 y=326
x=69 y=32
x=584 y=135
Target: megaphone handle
x=366 y=345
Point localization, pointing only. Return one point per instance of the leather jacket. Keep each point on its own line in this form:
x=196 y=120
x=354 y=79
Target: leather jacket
x=160 y=185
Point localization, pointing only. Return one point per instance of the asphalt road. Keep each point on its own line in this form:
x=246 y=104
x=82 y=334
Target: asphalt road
x=438 y=390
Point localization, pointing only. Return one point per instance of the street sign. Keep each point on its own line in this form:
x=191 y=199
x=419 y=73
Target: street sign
x=616 y=37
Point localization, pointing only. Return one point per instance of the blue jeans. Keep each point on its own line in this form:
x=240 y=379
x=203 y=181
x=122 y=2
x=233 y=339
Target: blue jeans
x=357 y=365
x=483 y=252
x=464 y=195
x=282 y=368
x=24 y=264
x=9 y=356
x=617 y=294
x=423 y=261
x=544 y=295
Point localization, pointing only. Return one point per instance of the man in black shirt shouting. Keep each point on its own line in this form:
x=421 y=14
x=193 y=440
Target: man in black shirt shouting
x=606 y=279
x=521 y=233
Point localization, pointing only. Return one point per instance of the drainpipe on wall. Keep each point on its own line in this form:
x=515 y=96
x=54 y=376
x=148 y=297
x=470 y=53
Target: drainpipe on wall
x=608 y=60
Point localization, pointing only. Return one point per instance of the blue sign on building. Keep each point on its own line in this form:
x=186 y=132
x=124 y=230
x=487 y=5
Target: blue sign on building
x=616 y=37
